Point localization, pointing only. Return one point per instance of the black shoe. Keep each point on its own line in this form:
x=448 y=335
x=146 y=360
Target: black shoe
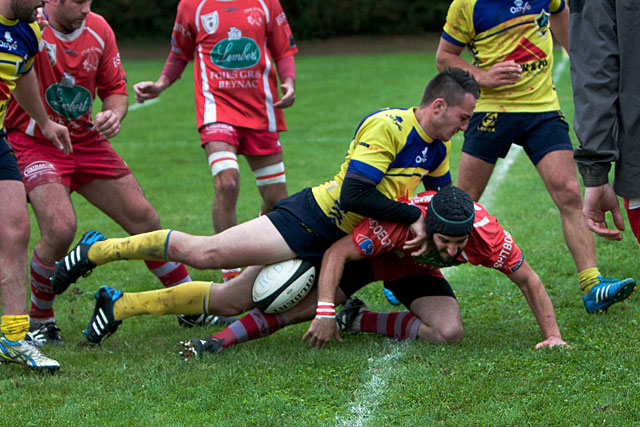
x=102 y=323
x=45 y=333
x=195 y=348
x=349 y=313
x=75 y=264
x=191 y=320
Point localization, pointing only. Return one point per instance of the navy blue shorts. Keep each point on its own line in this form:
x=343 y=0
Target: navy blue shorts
x=8 y=163
x=490 y=135
x=358 y=274
x=304 y=226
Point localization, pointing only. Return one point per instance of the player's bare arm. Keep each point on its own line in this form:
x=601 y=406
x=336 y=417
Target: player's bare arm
x=560 y=26
x=322 y=330
x=540 y=304
x=501 y=74
x=27 y=93
x=114 y=109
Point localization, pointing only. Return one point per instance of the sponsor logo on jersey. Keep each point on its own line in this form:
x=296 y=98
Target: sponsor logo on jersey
x=67 y=99
x=8 y=43
x=396 y=120
x=255 y=16
x=91 y=57
x=422 y=158
x=542 y=23
x=364 y=244
x=235 y=52
x=488 y=122
x=381 y=234
x=50 y=48
x=210 y=22
x=335 y=213
x=505 y=252
x=520 y=6
x=281 y=19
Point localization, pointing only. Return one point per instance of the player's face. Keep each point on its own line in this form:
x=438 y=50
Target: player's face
x=448 y=247
x=25 y=10
x=456 y=118
x=70 y=14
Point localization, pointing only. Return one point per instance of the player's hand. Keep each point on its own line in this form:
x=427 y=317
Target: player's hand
x=552 y=342
x=419 y=242
x=501 y=74
x=597 y=201
x=288 y=94
x=40 y=19
x=107 y=123
x=147 y=90
x=321 y=331
x=59 y=135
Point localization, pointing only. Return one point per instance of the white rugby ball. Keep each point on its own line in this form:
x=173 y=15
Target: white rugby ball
x=281 y=286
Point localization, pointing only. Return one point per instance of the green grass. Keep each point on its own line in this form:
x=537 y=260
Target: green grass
x=493 y=377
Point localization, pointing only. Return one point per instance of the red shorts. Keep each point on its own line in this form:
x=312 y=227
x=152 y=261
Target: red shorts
x=245 y=140
x=40 y=162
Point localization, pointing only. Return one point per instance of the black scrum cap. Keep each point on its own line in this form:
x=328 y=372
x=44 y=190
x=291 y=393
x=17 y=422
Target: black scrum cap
x=450 y=212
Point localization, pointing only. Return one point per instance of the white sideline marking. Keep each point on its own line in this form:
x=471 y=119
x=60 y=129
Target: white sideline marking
x=379 y=370
x=137 y=106
x=362 y=409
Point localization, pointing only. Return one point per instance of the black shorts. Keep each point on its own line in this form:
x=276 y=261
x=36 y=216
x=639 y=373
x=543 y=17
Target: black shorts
x=303 y=225
x=490 y=135
x=8 y=164
x=358 y=274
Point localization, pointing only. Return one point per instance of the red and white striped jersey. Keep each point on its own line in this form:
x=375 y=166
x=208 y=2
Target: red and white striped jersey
x=235 y=45
x=70 y=68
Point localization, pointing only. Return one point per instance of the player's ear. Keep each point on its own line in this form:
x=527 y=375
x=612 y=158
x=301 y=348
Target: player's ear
x=439 y=105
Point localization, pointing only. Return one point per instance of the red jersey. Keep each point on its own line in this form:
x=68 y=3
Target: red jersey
x=489 y=245
x=70 y=68
x=235 y=45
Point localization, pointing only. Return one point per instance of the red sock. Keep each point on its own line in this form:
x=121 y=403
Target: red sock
x=634 y=218
x=42 y=295
x=251 y=326
x=169 y=273
x=399 y=325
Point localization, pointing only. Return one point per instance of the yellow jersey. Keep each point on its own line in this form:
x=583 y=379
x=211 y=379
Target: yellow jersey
x=495 y=31
x=391 y=149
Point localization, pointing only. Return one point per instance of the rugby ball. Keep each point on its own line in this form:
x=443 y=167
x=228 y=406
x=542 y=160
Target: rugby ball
x=281 y=286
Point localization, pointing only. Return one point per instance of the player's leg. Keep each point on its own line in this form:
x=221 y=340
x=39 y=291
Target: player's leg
x=56 y=219
x=123 y=200
x=15 y=345
x=473 y=175
x=434 y=312
x=551 y=152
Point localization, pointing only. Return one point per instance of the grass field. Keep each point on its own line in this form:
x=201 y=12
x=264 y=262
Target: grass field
x=493 y=377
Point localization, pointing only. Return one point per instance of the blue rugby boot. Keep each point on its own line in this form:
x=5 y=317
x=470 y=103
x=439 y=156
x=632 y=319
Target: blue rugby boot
x=390 y=296
x=103 y=323
x=76 y=263
x=608 y=292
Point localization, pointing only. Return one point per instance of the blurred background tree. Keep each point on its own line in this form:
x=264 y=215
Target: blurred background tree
x=309 y=19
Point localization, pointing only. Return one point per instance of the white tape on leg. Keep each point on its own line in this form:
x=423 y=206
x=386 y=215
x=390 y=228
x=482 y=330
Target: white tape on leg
x=270 y=174
x=222 y=160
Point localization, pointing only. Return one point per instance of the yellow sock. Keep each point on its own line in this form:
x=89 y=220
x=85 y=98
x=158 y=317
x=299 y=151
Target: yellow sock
x=147 y=246
x=587 y=279
x=187 y=298
x=14 y=328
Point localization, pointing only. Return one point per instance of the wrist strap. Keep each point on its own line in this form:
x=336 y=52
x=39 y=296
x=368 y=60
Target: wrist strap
x=326 y=310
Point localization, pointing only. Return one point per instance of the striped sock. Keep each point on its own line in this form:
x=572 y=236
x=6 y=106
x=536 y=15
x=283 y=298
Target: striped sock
x=42 y=296
x=251 y=326
x=399 y=325
x=169 y=273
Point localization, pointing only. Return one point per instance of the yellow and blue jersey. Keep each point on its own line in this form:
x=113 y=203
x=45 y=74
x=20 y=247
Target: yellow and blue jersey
x=391 y=149
x=495 y=31
x=18 y=46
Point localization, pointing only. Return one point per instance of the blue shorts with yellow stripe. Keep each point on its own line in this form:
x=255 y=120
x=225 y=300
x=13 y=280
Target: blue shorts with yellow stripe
x=491 y=134
x=8 y=163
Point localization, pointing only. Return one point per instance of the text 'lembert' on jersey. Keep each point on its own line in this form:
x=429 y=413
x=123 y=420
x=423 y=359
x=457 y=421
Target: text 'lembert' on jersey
x=235 y=46
x=489 y=245
x=391 y=149
x=18 y=47
x=70 y=68
x=495 y=31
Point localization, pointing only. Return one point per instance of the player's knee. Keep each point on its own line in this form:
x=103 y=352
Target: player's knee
x=146 y=217
x=227 y=184
x=452 y=334
x=15 y=236
x=59 y=237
